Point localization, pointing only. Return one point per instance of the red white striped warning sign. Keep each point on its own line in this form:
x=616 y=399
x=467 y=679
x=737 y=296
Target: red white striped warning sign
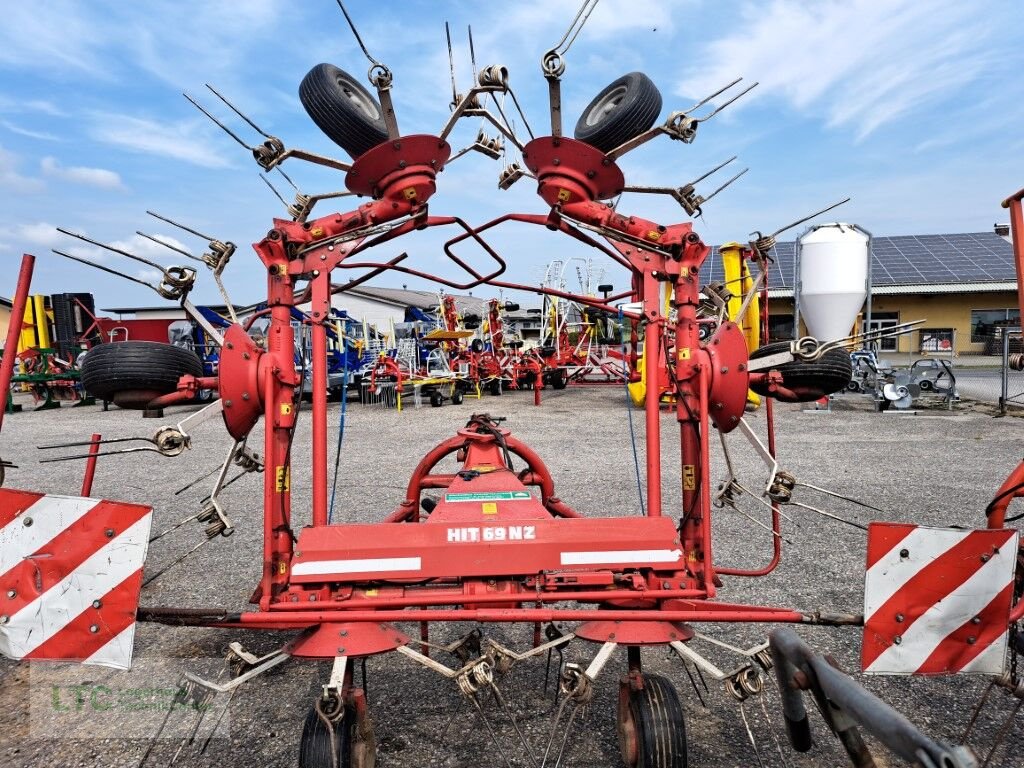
x=70 y=576
x=937 y=600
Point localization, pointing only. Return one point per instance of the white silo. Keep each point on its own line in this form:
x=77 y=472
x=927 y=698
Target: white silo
x=833 y=278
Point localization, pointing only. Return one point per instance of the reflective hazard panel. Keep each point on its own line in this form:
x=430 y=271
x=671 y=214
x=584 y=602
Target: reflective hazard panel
x=70 y=576
x=937 y=600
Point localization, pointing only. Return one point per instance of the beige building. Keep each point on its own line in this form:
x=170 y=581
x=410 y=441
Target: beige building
x=963 y=286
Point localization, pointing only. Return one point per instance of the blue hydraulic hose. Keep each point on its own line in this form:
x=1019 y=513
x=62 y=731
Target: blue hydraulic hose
x=341 y=436
x=629 y=412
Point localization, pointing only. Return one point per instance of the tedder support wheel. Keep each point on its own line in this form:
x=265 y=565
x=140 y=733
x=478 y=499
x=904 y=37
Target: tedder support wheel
x=652 y=729
x=319 y=748
x=494 y=387
x=131 y=373
x=808 y=380
x=621 y=111
x=559 y=379
x=457 y=397
x=342 y=109
x=436 y=399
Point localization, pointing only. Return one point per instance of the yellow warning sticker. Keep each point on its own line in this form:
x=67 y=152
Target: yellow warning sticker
x=410 y=193
x=286 y=409
x=489 y=508
x=282 y=567
x=684 y=353
x=281 y=476
x=653 y=235
x=317 y=231
x=371 y=593
x=564 y=195
x=689 y=477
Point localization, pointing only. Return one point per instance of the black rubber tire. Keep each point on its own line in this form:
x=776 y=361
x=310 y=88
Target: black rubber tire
x=343 y=109
x=657 y=716
x=315 y=745
x=853 y=386
x=494 y=387
x=476 y=346
x=621 y=111
x=926 y=385
x=436 y=399
x=808 y=380
x=457 y=397
x=115 y=370
x=558 y=379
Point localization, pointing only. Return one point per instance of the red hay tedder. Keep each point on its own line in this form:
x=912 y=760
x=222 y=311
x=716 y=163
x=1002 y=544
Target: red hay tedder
x=493 y=542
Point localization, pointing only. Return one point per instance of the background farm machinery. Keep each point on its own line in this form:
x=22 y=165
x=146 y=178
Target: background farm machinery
x=488 y=540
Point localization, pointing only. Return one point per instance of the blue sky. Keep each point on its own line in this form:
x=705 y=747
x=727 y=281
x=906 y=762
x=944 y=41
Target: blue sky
x=913 y=109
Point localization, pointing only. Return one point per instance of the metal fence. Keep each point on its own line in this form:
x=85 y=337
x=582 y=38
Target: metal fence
x=1012 y=391
x=988 y=378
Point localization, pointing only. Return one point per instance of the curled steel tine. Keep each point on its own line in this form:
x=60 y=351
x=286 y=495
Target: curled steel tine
x=112 y=249
x=829 y=515
x=840 y=496
x=729 y=182
x=586 y=8
x=725 y=104
x=288 y=179
x=826 y=209
x=179 y=226
x=105 y=269
x=274 y=190
x=717 y=168
x=174 y=248
x=451 y=64
x=239 y=112
x=223 y=127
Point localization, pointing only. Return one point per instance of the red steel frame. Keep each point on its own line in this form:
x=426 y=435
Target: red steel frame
x=709 y=382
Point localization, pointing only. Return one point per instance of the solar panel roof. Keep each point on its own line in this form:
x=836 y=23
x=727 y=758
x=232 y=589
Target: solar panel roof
x=973 y=257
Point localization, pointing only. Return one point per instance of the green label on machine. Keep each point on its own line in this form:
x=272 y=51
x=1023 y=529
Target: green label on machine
x=498 y=496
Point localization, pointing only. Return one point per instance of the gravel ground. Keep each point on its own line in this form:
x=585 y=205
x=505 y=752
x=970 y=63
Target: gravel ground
x=936 y=468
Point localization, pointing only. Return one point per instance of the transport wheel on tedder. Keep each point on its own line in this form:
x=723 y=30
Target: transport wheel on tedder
x=327 y=738
x=651 y=726
x=342 y=109
x=621 y=111
x=807 y=380
x=132 y=373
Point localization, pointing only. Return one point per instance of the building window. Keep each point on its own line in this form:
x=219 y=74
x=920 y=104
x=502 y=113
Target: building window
x=881 y=321
x=936 y=339
x=987 y=324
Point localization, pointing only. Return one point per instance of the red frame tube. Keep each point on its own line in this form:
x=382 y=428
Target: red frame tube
x=303 y=619
x=90 y=465
x=28 y=263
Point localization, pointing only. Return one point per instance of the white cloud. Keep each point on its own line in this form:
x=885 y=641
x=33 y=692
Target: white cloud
x=93 y=177
x=39 y=233
x=11 y=179
x=854 y=62
x=27 y=132
x=184 y=140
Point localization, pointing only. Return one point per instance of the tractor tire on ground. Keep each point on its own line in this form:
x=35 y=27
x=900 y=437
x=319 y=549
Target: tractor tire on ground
x=808 y=381
x=652 y=729
x=457 y=397
x=621 y=111
x=494 y=387
x=131 y=373
x=316 y=745
x=436 y=399
x=345 y=111
x=558 y=379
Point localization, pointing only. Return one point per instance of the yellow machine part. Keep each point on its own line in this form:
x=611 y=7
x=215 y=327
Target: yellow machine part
x=35 y=333
x=638 y=389
x=739 y=283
